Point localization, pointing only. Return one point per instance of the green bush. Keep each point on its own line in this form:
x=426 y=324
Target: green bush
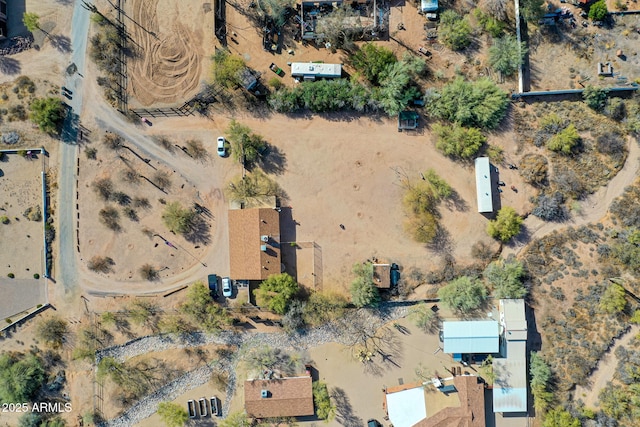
x=506 y=225
x=454 y=30
x=479 y=104
x=463 y=295
x=4 y=219
x=363 y=291
x=595 y=97
x=36 y=276
x=11 y=276
x=598 y=10
x=276 y=292
x=565 y=140
x=373 y=62
x=506 y=55
x=47 y=113
x=458 y=141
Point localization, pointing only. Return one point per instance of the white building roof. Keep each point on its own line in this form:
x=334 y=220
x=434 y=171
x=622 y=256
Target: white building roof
x=510 y=384
x=478 y=336
x=513 y=319
x=301 y=69
x=406 y=407
x=483 y=185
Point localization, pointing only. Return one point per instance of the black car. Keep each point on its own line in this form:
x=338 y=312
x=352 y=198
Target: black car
x=213 y=285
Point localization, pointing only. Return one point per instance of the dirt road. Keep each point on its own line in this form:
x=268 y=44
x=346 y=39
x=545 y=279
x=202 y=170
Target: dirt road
x=604 y=371
x=592 y=209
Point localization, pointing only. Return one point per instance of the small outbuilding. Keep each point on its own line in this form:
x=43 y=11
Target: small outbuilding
x=407 y=120
x=471 y=337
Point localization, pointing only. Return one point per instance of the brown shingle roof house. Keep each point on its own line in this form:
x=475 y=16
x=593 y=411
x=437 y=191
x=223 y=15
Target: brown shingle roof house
x=285 y=397
x=470 y=413
x=254 y=243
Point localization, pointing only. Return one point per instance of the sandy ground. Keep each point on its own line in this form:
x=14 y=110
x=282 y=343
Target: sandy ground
x=170 y=40
x=604 y=371
x=21 y=188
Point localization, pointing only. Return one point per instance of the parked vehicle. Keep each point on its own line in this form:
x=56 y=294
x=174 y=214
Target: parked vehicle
x=227 y=288
x=273 y=67
x=222 y=146
x=213 y=285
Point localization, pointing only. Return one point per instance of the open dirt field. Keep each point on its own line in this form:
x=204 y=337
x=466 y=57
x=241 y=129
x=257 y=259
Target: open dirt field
x=172 y=41
x=21 y=189
x=563 y=58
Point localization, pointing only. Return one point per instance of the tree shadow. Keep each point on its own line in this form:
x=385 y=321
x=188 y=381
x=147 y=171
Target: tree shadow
x=274 y=161
x=9 y=66
x=199 y=231
x=442 y=242
x=454 y=201
x=60 y=42
x=344 y=411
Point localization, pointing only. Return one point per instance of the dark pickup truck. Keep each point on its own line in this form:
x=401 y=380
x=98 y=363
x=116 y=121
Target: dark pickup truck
x=213 y=285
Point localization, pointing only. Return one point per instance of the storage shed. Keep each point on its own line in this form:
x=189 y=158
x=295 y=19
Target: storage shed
x=484 y=188
x=471 y=337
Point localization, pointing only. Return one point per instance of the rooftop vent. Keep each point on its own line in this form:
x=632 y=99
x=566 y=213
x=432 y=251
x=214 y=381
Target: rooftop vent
x=263 y=248
x=264 y=394
x=264 y=238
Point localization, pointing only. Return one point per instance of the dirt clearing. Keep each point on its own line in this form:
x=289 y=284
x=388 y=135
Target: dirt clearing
x=169 y=39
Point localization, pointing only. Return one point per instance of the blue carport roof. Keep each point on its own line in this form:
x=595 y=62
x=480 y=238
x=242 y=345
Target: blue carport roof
x=480 y=336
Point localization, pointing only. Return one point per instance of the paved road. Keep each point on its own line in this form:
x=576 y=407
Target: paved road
x=67 y=265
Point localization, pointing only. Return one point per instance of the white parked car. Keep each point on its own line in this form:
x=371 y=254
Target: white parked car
x=222 y=146
x=227 y=288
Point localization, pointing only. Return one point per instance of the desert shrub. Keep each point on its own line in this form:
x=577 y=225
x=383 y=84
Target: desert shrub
x=424 y=317
x=52 y=331
x=323 y=307
x=565 y=140
x=33 y=213
x=120 y=198
x=325 y=410
x=110 y=218
x=616 y=109
x=625 y=207
x=293 y=319
x=227 y=68
x=196 y=149
x=613 y=299
x=101 y=264
x=611 y=143
x=165 y=143
x=201 y=308
x=275 y=83
x=506 y=225
x=454 y=30
x=491 y=22
x=91 y=153
x=172 y=414
x=482 y=251
x=24 y=84
x=441 y=188
x=550 y=208
x=131 y=213
x=457 y=141
x=141 y=202
x=104 y=188
x=5 y=219
x=130 y=176
x=251 y=188
x=506 y=275
x=17 y=113
x=149 y=272
x=178 y=219
x=112 y=141
x=569 y=184
x=595 y=97
x=162 y=179
x=21 y=376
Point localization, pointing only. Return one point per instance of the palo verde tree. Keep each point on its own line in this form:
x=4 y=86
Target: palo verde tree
x=202 y=310
x=457 y=141
x=47 y=113
x=540 y=382
x=464 y=294
x=251 y=188
x=506 y=55
x=505 y=275
x=325 y=409
x=178 y=219
x=172 y=414
x=53 y=331
x=226 y=68
x=246 y=147
x=31 y=21
x=363 y=291
x=506 y=225
x=454 y=30
x=21 y=376
x=373 y=62
x=276 y=292
x=479 y=104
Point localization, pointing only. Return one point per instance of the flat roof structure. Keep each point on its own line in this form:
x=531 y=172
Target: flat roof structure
x=254 y=243
x=471 y=337
x=484 y=190
x=406 y=407
x=313 y=70
x=382 y=276
x=281 y=397
x=510 y=384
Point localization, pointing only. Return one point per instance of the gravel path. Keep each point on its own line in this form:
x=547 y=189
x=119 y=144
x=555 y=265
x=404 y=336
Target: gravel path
x=331 y=332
